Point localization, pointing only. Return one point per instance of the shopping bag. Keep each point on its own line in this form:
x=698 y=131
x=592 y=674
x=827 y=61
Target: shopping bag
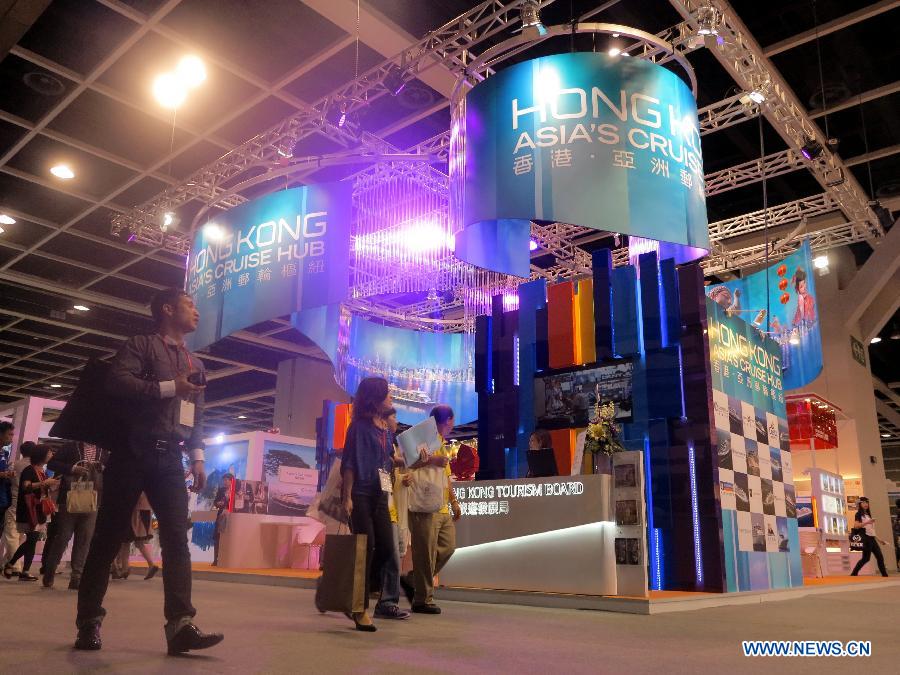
x=328 y=506
x=342 y=586
x=426 y=489
x=82 y=497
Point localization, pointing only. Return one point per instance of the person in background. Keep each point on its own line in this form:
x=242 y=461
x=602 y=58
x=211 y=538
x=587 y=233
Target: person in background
x=69 y=464
x=433 y=535
x=864 y=519
x=11 y=536
x=897 y=534
x=223 y=495
x=392 y=581
x=164 y=383
x=6 y=472
x=30 y=521
x=140 y=534
x=366 y=470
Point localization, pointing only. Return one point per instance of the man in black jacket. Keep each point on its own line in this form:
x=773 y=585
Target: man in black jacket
x=164 y=384
x=69 y=464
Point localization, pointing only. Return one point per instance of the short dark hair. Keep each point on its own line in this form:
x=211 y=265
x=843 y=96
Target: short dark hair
x=167 y=296
x=27 y=448
x=6 y=426
x=543 y=437
x=370 y=393
x=442 y=413
x=39 y=453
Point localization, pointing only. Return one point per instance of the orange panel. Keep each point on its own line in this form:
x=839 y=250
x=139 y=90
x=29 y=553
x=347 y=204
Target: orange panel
x=341 y=422
x=584 y=322
x=563 y=449
x=561 y=324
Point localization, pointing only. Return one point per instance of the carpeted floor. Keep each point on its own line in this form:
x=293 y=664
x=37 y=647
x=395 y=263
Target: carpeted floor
x=277 y=630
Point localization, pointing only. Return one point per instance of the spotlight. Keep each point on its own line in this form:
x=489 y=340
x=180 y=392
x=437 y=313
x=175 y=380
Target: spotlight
x=191 y=72
x=394 y=80
x=708 y=20
x=754 y=97
x=7 y=220
x=614 y=51
x=340 y=114
x=55 y=386
x=532 y=245
x=532 y=26
x=242 y=417
x=169 y=90
x=811 y=148
x=794 y=341
x=62 y=171
x=168 y=219
x=821 y=262
x=220 y=438
x=875 y=340
x=213 y=232
x=81 y=308
x=884 y=215
x=885 y=435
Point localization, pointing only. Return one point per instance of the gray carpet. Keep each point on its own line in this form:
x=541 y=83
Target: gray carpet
x=277 y=630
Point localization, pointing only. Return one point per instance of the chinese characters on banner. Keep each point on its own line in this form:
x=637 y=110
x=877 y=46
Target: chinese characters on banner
x=281 y=253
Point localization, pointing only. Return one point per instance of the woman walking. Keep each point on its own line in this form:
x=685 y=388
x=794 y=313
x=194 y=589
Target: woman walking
x=865 y=520
x=366 y=470
x=31 y=517
x=141 y=534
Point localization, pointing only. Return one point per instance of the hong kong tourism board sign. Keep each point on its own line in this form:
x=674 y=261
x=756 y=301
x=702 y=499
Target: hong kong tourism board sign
x=588 y=139
x=279 y=254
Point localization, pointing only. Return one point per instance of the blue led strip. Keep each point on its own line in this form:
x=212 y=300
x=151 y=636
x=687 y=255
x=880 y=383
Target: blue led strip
x=695 y=515
x=656 y=560
x=516 y=360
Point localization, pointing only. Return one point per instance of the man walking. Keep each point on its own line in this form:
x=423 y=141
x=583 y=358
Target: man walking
x=163 y=383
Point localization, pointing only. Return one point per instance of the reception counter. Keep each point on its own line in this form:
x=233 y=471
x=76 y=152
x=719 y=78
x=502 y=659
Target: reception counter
x=552 y=535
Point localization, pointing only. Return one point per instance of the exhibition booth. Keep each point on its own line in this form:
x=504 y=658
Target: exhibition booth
x=671 y=467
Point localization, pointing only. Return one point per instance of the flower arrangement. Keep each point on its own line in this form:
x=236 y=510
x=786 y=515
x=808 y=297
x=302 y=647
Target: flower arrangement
x=602 y=431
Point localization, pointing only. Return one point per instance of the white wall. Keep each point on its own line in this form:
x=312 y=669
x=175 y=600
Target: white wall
x=302 y=385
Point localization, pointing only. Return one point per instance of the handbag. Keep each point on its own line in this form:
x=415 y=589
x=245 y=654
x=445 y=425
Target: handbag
x=426 y=489
x=82 y=497
x=342 y=586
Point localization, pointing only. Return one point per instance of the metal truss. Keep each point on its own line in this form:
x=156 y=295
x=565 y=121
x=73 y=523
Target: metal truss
x=753 y=171
x=743 y=58
x=773 y=216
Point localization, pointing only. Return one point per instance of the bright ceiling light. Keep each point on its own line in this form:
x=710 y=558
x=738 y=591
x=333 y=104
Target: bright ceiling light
x=614 y=51
x=820 y=262
x=885 y=435
x=546 y=84
x=191 y=71
x=757 y=96
x=220 y=438
x=55 y=386
x=7 y=220
x=532 y=245
x=169 y=219
x=81 y=308
x=169 y=90
x=62 y=171
x=875 y=340
x=708 y=20
x=794 y=341
x=213 y=232
x=242 y=417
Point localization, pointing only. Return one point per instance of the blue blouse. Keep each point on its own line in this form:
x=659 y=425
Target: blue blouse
x=367 y=449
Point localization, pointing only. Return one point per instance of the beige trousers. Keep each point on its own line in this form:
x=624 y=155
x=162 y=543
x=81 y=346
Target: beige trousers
x=433 y=539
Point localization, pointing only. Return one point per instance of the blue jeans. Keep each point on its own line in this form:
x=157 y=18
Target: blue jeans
x=390 y=587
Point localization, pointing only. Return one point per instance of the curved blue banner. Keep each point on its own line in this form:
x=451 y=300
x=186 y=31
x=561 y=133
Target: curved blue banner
x=610 y=143
x=781 y=302
x=271 y=257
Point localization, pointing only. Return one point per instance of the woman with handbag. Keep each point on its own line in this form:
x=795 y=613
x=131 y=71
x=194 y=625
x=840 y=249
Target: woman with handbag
x=366 y=470
x=33 y=507
x=865 y=520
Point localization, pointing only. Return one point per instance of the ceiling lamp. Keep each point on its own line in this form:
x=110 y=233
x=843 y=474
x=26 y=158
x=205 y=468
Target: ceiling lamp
x=875 y=340
x=191 y=71
x=811 y=148
x=170 y=91
x=213 y=232
x=708 y=20
x=55 y=386
x=820 y=262
x=81 y=308
x=532 y=245
x=62 y=171
x=7 y=220
x=532 y=26
x=168 y=219
x=614 y=51
x=885 y=435
x=242 y=417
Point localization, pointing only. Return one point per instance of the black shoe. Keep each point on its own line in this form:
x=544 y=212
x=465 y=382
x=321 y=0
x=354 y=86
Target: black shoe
x=408 y=590
x=191 y=638
x=89 y=638
x=74 y=583
x=426 y=609
x=47 y=580
x=151 y=572
x=25 y=576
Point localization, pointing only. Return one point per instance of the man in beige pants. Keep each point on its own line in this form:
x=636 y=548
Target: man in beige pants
x=433 y=535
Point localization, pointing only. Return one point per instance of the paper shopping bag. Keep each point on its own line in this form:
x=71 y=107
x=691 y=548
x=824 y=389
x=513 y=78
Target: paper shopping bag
x=342 y=586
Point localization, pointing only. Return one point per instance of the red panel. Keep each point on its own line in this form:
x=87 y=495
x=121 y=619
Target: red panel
x=341 y=422
x=563 y=449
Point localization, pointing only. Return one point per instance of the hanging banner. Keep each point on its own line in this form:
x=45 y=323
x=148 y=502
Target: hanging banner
x=781 y=302
x=276 y=255
x=610 y=143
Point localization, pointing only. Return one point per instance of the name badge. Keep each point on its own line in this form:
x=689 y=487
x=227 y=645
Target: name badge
x=186 y=414
x=386 y=484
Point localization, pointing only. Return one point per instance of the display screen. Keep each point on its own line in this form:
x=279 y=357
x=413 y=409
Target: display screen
x=568 y=399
